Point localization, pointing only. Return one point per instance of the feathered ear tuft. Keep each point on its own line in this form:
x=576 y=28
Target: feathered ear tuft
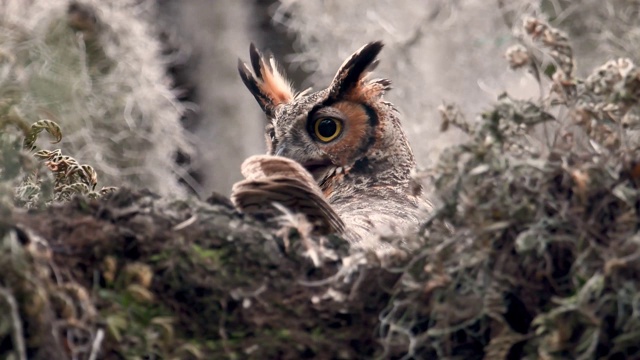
x=268 y=86
x=350 y=80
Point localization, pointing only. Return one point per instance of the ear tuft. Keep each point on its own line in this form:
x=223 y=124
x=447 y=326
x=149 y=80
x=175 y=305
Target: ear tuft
x=268 y=86
x=349 y=80
x=374 y=89
x=256 y=60
x=254 y=87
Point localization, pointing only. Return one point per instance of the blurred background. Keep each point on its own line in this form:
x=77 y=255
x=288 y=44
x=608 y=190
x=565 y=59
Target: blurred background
x=147 y=91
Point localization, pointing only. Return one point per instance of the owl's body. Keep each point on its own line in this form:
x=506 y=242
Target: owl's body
x=349 y=141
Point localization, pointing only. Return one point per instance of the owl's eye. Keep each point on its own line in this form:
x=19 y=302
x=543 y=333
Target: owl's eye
x=327 y=129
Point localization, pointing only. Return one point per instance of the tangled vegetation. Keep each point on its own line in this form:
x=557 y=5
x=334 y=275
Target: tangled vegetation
x=22 y=176
x=532 y=251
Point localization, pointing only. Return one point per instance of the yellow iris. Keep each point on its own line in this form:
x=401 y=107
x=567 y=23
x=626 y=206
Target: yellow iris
x=327 y=129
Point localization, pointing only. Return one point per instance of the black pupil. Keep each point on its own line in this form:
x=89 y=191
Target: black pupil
x=327 y=128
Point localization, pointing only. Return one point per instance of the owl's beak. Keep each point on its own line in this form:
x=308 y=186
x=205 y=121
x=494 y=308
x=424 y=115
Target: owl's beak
x=280 y=150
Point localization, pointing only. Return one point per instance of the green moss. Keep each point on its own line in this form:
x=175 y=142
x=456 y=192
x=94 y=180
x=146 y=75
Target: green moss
x=212 y=257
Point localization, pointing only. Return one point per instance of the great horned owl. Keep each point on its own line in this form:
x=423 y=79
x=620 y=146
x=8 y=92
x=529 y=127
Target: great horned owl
x=338 y=155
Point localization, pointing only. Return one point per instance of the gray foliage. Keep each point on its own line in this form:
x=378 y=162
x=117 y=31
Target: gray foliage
x=97 y=70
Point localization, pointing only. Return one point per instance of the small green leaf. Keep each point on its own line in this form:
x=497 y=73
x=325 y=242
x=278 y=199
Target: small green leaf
x=549 y=70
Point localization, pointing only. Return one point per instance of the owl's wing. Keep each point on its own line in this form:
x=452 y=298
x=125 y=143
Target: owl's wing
x=263 y=166
x=275 y=179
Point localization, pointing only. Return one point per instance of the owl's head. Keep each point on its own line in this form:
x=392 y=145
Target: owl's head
x=346 y=127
